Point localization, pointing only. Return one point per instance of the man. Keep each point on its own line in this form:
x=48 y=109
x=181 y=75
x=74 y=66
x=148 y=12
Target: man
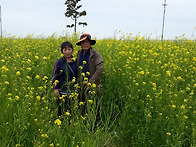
x=92 y=63
x=90 y=59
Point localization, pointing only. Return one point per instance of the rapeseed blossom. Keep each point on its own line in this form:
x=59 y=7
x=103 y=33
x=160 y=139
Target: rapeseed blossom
x=93 y=86
x=58 y=122
x=168 y=133
x=83 y=74
x=17 y=98
x=68 y=113
x=37 y=77
x=56 y=82
x=84 y=62
x=18 y=73
x=90 y=101
x=153 y=79
x=81 y=103
x=168 y=73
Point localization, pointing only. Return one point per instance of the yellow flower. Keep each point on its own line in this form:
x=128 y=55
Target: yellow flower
x=40 y=88
x=29 y=69
x=84 y=62
x=10 y=99
x=18 y=73
x=9 y=94
x=67 y=113
x=37 y=76
x=45 y=78
x=173 y=106
x=58 y=122
x=74 y=59
x=182 y=107
x=81 y=103
x=16 y=97
x=73 y=80
x=89 y=84
x=38 y=98
x=52 y=145
x=7 y=83
x=88 y=73
x=90 y=101
x=28 y=60
x=149 y=114
x=168 y=133
x=185 y=117
x=180 y=78
x=142 y=72
x=80 y=67
x=92 y=92
x=94 y=85
x=83 y=74
x=86 y=79
x=4 y=68
x=36 y=57
x=44 y=135
x=168 y=73
x=194 y=59
x=83 y=118
x=44 y=57
x=153 y=84
x=56 y=82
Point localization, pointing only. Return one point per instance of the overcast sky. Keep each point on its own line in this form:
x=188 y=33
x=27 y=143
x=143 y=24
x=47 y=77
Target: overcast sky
x=104 y=17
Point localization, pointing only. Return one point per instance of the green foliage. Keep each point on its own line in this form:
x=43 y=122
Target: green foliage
x=147 y=96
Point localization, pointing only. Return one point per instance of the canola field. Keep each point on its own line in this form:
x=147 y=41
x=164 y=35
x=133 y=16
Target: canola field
x=147 y=98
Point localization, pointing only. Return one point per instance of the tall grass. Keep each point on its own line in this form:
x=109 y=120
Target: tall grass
x=147 y=96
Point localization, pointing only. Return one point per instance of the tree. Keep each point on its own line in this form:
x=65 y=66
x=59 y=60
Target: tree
x=72 y=11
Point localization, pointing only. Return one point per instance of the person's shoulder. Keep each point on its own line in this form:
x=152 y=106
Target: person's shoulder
x=79 y=51
x=57 y=60
x=95 y=51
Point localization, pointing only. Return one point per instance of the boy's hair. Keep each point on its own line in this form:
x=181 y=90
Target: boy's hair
x=66 y=44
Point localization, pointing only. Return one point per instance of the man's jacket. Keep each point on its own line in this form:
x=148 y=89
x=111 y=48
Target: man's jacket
x=95 y=65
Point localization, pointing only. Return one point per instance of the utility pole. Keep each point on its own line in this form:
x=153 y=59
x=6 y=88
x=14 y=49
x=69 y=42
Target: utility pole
x=1 y=23
x=164 y=5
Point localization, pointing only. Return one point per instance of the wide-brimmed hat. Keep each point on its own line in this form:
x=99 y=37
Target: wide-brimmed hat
x=84 y=37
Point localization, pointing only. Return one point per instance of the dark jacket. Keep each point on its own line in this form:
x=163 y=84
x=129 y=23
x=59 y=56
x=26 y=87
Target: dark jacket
x=95 y=65
x=63 y=72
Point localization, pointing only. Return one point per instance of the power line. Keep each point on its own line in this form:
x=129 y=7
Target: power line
x=164 y=5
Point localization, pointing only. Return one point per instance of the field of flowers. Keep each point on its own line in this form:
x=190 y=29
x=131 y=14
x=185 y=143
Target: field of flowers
x=148 y=94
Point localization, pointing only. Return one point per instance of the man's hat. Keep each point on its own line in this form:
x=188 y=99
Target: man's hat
x=84 y=37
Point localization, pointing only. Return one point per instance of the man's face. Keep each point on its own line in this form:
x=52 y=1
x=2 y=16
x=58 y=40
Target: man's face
x=86 y=44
